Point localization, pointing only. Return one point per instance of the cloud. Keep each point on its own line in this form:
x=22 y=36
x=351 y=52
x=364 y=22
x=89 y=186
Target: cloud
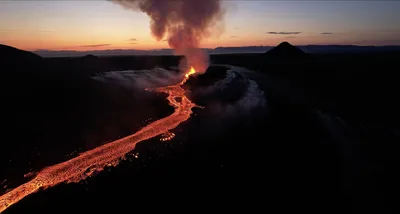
x=93 y=46
x=133 y=39
x=133 y=43
x=164 y=40
x=234 y=36
x=327 y=33
x=283 y=33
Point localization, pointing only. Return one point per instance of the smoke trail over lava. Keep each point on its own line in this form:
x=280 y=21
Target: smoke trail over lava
x=185 y=22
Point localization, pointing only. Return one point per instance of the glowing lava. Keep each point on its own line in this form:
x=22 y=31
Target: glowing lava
x=89 y=162
x=192 y=71
x=167 y=136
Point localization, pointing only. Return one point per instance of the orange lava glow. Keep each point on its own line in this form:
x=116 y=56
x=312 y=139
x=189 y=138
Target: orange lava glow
x=192 y=71
x=89 y=162
x=167 y=136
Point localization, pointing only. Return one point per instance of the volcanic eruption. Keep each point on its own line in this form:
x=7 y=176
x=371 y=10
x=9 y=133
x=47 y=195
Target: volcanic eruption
x=184 y=22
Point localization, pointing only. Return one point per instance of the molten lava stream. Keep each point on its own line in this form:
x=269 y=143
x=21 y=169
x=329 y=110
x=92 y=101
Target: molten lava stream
x=79 y=168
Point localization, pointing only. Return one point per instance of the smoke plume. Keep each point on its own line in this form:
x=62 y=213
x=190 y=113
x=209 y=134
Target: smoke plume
x=184 y=22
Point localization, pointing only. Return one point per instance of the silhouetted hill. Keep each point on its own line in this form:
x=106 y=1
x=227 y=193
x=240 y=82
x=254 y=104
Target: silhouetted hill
x=90 y=57
x=285 y=51
x=11 y=55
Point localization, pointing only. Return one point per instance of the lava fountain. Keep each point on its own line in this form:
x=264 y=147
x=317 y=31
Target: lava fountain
x=89 y=162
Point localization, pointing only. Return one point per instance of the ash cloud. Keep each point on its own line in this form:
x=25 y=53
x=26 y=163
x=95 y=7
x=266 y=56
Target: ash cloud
x=326 y=33
x=283 y=33
x=185 y=23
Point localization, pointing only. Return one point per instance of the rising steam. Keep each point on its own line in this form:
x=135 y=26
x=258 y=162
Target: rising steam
x=184 y=22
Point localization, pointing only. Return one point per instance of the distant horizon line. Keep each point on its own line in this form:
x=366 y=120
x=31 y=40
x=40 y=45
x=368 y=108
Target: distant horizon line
x=310 y=48
x=171 y=49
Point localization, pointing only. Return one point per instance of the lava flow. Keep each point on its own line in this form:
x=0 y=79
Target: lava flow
x=83 y=166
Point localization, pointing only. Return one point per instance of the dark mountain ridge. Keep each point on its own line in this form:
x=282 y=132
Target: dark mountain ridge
x=8 y=53
x=13 y=59
x=285 y=51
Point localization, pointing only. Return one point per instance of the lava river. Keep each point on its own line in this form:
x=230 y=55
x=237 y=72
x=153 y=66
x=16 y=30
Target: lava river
x=84 y=165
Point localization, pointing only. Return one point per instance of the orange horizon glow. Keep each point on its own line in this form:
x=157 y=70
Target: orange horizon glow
x=148 y=45
x=102 y=25
x=55 y=43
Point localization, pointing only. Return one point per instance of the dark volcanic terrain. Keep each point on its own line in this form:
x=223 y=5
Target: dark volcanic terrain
x=280 y=130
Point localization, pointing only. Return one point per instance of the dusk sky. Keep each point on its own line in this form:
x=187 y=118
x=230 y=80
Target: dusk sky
x=95 y=25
